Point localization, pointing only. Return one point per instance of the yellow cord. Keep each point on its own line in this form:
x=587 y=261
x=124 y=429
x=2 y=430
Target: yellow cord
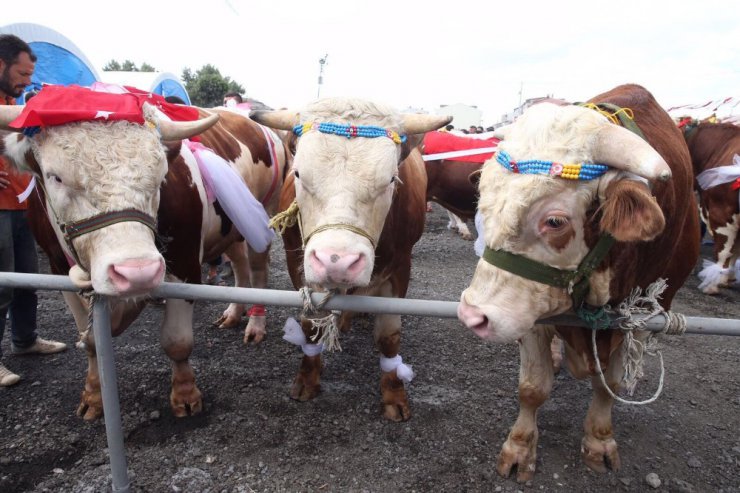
x=611 y=116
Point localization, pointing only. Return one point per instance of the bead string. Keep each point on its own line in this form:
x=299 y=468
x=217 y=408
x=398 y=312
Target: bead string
x=346 y=130
x=576 y=171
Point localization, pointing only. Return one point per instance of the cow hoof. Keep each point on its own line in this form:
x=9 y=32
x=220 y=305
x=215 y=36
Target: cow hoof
x=600 y=455
x=302 y=392
x=467 y=236
x=395 y=401
x=91 y=406
x=227 y=322
x=520 y=455
x=186 y=405
x=255 y=330
x=397 y=412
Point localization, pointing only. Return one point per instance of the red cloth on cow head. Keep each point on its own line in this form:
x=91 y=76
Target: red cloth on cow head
x=57 y=105
x=440 y=142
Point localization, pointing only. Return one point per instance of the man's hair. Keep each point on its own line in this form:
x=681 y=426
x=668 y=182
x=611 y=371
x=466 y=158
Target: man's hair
x=233 y=94
x=174 y=99
x=11 y=46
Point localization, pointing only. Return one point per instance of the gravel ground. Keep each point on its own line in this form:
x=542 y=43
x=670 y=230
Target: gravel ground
x=253 y=437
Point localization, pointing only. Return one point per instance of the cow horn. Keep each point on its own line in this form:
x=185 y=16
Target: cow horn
x=622 y=149
x=418 y=124
x=280 y=119
x=172 y=131
x=7 y=115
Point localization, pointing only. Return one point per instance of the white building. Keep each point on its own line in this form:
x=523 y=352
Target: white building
x=510 y=117
x=463 y=115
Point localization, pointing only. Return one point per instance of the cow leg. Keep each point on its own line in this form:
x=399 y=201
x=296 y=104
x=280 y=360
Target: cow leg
x=256 y=328
x=726 y=249
x=535 y=383
x=307 y=384
x=232 y=316
x=91 y=402
x=394 y=400
x=456 y=223
x=556 y=351
x=121 y=316
x=79 y=310
x=176 y=338
x=598 y=447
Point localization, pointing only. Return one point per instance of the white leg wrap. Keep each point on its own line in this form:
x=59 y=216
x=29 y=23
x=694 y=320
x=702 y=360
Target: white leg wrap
x=712 y=274
x=294 y=335
x=403 y=371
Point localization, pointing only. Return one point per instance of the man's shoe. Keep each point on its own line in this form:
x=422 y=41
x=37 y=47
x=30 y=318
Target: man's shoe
x=7 y=377
x=41 y=346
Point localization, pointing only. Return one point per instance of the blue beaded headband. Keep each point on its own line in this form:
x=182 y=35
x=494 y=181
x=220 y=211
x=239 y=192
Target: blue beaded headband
x=578 y=171
x=345 y=130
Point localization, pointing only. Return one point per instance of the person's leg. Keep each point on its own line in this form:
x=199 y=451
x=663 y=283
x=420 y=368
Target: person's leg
x=24 y=304
x=6 y=265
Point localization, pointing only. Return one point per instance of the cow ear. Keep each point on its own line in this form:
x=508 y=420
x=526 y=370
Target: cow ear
x=17 y=149
x=630 y=212
x=474 y=178
x=172 y=149
x=412 y=141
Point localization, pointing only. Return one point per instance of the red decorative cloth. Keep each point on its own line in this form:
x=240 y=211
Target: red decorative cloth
x=57 y=105
x=440 y=142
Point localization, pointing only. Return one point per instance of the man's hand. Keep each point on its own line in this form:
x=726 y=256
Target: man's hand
x=4 y=182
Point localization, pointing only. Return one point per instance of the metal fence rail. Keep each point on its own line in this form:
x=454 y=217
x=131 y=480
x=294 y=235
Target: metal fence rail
x=368 y=304
x=361 y=304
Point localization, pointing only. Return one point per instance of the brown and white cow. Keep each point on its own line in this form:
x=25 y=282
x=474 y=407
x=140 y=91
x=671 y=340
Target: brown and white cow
x=715 y=155
x=645 y=202
x=94 y=167
x=362 y=208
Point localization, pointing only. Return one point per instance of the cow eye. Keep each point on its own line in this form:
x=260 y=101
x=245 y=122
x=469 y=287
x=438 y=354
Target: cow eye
x=295 y=173
x=556 y=222
x=53 y=177
x=397 y=180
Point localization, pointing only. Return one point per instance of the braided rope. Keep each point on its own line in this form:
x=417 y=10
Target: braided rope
x=647 y=307
x=326 y=330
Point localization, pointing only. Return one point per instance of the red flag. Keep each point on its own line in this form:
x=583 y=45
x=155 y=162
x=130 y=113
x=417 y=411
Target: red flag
x=57 y=105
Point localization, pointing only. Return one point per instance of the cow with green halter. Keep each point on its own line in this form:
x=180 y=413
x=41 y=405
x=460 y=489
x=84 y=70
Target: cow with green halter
x=578 y=212
x=355 y=206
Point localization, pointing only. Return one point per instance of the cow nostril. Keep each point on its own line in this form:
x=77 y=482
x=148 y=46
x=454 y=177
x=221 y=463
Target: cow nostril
x=334 y=258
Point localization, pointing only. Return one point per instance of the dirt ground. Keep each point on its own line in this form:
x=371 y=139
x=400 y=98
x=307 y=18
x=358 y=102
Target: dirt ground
x=253 y=437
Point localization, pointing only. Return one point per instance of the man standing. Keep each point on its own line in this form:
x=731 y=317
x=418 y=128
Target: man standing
x=17 y=245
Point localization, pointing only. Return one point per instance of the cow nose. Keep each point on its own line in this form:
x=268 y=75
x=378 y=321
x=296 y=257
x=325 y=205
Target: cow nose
x=136 y=276
x=472 y=316
x=337 y=266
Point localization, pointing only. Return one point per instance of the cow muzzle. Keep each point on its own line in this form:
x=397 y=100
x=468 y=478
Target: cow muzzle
x=136 y=277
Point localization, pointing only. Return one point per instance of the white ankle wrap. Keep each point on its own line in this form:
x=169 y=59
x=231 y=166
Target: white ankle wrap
x=294 y=334
x=403 y=371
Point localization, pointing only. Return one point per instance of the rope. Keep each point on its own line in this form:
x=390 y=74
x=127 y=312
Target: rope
x=612 y=117
x=326 y=330
x=286 y=219
x=90 y=296
x=647 y=307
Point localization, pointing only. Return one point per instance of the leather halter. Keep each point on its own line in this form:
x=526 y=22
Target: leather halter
x=75 y=229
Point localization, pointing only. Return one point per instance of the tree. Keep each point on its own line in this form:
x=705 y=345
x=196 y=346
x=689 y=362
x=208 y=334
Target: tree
x=207 y=86
x=112 y=66
x=127 y=66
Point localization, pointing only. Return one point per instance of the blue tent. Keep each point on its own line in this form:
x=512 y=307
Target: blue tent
x=61 y=62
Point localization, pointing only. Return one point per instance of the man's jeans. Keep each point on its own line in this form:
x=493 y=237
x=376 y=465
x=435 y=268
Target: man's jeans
x=18 y=254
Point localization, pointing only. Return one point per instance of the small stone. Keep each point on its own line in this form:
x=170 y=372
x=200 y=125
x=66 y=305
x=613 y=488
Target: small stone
x=625 y=481
x=4 y=461
x=36 y=383
x=652 y=480
x=154 y=415
x=680 y=486
x=556 y=476
x=58 y=470
x=210 y=459
x=694 y=462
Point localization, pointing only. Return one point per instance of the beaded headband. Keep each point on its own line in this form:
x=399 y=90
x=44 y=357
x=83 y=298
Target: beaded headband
x=577 y=171
x=345 y=130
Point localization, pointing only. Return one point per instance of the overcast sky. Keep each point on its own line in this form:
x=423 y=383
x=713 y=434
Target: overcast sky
x=421 y=54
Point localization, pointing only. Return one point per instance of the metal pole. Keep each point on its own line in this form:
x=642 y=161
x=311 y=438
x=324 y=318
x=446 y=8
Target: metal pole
x=109 y=389
x=366 y=304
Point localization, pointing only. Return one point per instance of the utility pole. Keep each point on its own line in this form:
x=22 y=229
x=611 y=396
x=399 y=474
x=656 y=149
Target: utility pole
x=322 y=62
